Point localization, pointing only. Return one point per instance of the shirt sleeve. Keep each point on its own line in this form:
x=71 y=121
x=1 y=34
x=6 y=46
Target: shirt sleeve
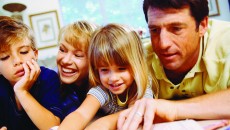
x=49 y=91
x=100 y=94
x=149 y=92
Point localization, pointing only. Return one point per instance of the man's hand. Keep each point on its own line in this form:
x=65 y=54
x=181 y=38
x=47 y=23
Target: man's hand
x=146 y=111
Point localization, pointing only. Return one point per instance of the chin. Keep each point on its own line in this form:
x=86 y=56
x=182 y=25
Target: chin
x=67 y=80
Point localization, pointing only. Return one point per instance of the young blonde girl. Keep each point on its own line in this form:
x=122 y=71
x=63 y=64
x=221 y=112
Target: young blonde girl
x=119 y=73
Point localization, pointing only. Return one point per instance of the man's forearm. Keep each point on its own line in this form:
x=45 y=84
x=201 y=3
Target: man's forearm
x=210 y=106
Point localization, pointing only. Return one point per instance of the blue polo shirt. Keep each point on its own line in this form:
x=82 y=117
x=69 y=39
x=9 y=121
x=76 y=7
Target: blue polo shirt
x=45 y=91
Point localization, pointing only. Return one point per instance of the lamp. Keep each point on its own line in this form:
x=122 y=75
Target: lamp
x=16 y=9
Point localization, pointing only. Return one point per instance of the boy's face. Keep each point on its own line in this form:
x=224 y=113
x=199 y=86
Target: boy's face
x=11 y=60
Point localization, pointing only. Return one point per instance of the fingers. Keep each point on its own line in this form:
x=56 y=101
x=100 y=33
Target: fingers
x=134 y=117
x=149 y=115
x=34 y=69
x=142 y=111
x=122 y=118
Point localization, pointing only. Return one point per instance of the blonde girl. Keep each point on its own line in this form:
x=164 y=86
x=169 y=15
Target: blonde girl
x=119 y=72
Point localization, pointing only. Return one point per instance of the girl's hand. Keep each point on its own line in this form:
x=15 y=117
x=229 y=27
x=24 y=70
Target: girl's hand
x=32 y=71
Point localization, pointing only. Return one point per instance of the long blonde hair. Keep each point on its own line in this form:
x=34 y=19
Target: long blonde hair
x=119 y=44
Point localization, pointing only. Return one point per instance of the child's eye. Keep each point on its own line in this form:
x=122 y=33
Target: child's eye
x=122 y=68
x=24 y=52
x=103 y=70
x=4 y=58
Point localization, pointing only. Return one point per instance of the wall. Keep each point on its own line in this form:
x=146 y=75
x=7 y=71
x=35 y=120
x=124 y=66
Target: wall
x=224 y=11
x=34 y=7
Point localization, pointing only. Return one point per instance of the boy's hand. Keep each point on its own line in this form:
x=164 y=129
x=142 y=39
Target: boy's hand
x=32 y=71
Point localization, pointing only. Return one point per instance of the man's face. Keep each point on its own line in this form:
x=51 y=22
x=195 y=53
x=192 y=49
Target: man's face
x=175 y=38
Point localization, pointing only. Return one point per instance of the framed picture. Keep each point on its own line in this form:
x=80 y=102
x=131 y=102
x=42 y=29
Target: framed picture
x=46 y=28
x=213 y=7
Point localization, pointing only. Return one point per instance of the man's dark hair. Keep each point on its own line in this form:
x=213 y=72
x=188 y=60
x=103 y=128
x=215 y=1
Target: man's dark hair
x=198 y=8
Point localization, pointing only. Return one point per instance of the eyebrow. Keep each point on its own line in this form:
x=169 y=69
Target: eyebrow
x=170 y=24
x=24 y=46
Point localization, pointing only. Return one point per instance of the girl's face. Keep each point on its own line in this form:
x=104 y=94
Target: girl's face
x=72 y=64
x=115 y=78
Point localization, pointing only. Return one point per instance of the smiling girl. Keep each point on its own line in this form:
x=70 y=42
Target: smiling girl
x=118 y=72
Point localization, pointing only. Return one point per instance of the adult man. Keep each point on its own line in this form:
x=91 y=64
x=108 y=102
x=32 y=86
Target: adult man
x=190 y=57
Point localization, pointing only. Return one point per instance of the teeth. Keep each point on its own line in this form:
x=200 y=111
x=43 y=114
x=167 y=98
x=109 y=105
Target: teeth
x=66 y=70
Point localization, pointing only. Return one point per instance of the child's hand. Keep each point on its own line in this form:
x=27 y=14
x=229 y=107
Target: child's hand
x=32 y=71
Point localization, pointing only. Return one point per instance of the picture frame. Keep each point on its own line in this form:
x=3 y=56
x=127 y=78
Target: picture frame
x=46 y=28
x=213 y=8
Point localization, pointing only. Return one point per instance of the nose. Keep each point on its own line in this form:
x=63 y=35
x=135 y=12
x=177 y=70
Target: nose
x=67 y=58
x=113 y=77
x=17 y=60
x=164 y=40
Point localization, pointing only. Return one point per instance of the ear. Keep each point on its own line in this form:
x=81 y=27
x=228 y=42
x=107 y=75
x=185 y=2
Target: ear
x=36 y=54
x=203 y=26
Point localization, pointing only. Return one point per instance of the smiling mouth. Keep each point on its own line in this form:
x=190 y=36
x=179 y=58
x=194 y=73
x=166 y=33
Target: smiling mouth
x=67 y=72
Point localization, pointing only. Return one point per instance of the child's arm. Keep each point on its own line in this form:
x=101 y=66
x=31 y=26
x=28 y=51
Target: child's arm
x=78 y=119
x=108 y=122
x=39 y=115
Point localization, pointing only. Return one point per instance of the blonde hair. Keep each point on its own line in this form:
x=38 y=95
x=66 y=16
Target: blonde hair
x=13 y=31
x=121 y=45
x=78 y=34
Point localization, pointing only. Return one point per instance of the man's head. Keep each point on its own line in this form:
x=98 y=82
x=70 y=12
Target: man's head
x=198 y=8
x=176 y=29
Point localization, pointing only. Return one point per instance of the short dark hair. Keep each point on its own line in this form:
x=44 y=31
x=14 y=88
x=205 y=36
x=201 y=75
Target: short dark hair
x=198 y=8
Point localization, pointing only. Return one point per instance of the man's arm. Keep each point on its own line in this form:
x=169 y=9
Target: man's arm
x=209 y=106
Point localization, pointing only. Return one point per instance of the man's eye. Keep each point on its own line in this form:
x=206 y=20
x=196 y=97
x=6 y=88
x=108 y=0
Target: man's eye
x=4 y=58
x=176 y=28
x=154 y=31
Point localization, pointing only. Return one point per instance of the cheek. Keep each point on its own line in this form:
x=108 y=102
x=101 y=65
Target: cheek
x=102 y=78
x=82 y=64
x=129 y=78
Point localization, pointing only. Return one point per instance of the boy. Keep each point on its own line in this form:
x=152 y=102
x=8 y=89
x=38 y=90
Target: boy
x=29 y=94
